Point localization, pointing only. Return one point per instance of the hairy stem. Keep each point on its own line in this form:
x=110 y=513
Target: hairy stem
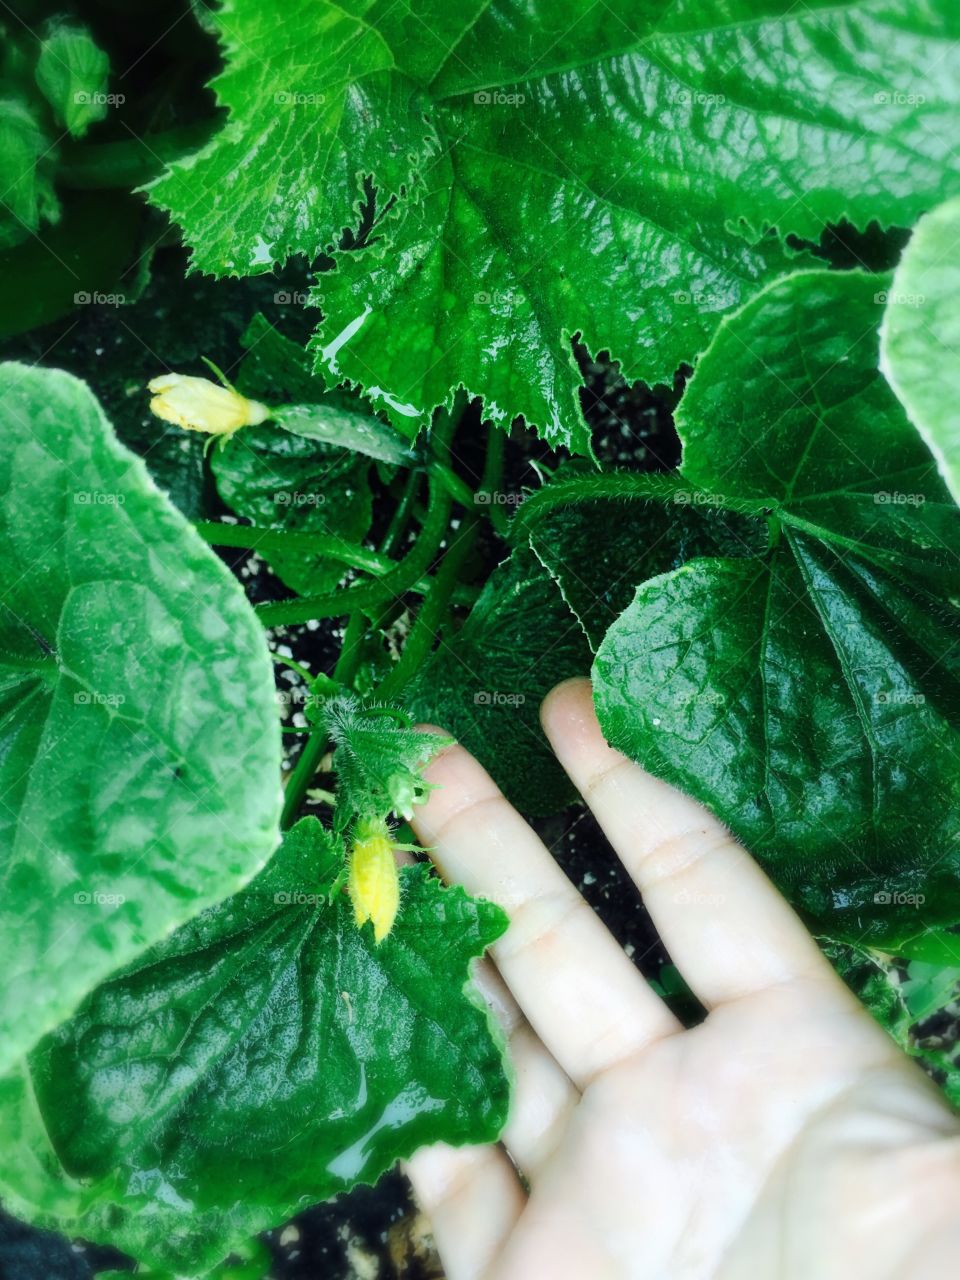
x=628 y=485
x=618 y=484
x=302 y=775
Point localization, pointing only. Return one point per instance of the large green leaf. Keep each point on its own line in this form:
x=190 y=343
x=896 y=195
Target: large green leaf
x=589 y=168
x=464 y=289
x=485 y=681
x=920 y=338
x=139 y=743
x=811 y=696
x=265 y=1057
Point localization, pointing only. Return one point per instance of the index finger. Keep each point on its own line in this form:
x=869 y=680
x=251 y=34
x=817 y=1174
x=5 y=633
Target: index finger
x=726 y=927
x=581 y=994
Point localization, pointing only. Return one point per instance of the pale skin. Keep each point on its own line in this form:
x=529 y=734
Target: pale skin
x=784 y=1138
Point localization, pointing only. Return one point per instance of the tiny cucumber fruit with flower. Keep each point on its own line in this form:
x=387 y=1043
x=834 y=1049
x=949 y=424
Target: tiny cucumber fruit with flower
x=373 y=881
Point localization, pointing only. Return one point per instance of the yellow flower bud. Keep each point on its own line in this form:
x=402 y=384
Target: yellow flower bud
x=373 y=881
x=197 y=404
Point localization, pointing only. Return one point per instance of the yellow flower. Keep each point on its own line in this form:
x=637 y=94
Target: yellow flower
x=373 y=881
x=197 y=404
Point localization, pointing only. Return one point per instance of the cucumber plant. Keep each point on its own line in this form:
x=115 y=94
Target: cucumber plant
x=334 y=337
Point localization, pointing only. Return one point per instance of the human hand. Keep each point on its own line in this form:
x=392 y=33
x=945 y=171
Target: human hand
x=784 y=1138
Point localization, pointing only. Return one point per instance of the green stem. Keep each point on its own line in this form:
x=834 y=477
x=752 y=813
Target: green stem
x=366 y=595
x=398 y=521
x=616 y=484
x=323 y=544
x=417 y=560
x=316 y=745
x=647 y=486
x=257 y=539
x=349 y=658
x=309 y=759
x=774 y=529
x=302 y=775
x=132 y=162
x=431 y=611
x=301 y=671
x=458 y=489
x=421 y=637
x=492 y=480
